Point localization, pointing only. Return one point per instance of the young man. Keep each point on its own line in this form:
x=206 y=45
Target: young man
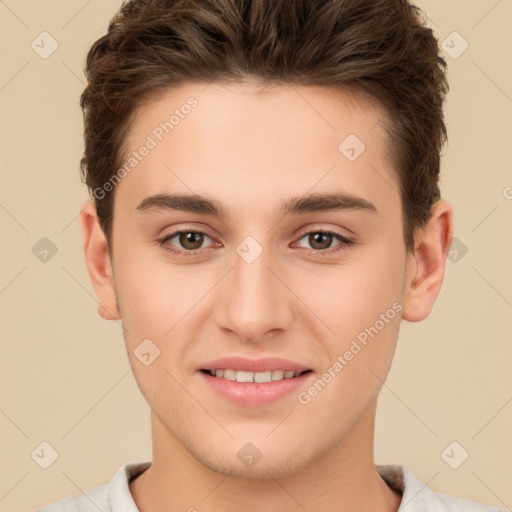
x=265 y=213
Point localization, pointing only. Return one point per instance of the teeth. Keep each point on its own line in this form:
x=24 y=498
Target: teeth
x=277 y=374
x=243 y=376
x=228 y=374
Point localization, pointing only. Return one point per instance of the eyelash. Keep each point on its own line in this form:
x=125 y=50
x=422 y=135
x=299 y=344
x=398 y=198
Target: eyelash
x=343 y=245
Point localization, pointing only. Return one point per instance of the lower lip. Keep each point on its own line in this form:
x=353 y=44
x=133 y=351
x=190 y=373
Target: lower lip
x=252 y=393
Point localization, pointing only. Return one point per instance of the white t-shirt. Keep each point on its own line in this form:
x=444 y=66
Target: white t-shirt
x=416 y=496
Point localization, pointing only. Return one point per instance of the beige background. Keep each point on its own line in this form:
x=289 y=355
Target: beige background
x=65 y=377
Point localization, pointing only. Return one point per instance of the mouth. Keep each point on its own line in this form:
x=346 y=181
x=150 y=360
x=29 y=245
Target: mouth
x=255 y=389
x=255 y=377
x=249 y=382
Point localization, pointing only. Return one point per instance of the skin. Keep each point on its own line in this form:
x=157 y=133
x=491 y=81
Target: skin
x=250 y=149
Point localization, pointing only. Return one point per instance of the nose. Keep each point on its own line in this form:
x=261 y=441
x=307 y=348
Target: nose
x=254 y=302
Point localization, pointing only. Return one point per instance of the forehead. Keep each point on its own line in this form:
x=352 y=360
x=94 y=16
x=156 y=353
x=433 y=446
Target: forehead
x=244 y=143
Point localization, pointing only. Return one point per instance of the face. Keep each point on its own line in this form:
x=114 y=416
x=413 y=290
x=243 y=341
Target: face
x=265 y=269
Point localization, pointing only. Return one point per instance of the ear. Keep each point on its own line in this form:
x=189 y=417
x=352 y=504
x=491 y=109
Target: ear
x=98 y=262
x=425 y=269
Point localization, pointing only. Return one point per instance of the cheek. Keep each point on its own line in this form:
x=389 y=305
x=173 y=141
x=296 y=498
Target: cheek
x=355 y=292
x=361 y=304
x=155 y=294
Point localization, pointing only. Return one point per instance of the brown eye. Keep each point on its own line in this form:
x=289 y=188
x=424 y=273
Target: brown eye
x=320 y=240
x=321 y=243
x=186 y=241
x=191 y=240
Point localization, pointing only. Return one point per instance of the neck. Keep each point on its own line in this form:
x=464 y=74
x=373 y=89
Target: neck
x=342 y=478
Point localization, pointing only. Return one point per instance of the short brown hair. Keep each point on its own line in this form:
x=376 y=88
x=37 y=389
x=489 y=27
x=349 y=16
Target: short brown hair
x=378 y=47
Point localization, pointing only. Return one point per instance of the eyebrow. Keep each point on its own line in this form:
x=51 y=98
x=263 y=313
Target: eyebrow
x=307 y=203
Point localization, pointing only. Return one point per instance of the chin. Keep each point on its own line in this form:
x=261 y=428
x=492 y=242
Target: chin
x=268 y=467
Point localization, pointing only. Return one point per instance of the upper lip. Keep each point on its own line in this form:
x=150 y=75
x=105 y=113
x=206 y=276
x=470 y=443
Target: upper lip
x=254 y=365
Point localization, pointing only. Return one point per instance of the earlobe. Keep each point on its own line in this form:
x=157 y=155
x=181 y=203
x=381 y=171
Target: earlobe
x=426 y=265
x=98 y=262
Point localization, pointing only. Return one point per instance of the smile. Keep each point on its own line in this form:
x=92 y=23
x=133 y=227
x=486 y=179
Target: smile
x=245 y=376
